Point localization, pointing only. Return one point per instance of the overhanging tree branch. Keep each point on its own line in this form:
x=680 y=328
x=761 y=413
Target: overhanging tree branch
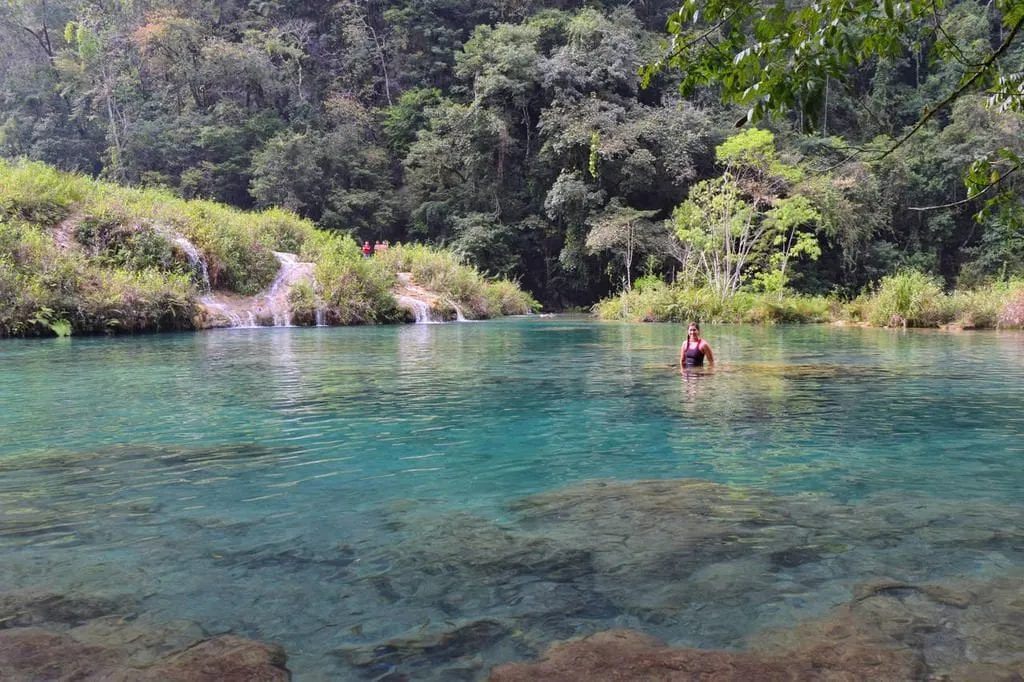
x=961 y=202
x=960 y=90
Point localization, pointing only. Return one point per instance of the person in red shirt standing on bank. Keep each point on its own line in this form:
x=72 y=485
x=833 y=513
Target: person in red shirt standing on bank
x=366 y=249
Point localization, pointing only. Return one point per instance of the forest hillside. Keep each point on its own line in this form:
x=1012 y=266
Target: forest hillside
x=520 y=134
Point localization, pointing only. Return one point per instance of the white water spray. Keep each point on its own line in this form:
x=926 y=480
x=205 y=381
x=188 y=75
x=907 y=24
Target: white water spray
x=421 y=310
x=270 y=308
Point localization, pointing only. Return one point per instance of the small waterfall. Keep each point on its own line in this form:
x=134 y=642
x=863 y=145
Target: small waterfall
x=195 y=260
x=422 y=302
x=459 y=317
x=270 y=308
x=419 y=308
x=275 y=301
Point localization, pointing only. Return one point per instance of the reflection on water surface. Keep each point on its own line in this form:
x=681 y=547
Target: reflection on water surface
x=429 y=501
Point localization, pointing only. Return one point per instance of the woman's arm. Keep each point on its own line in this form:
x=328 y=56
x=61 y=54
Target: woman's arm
x=708 y=354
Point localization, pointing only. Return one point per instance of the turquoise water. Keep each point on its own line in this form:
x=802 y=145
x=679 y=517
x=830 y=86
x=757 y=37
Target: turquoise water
x=335 y=489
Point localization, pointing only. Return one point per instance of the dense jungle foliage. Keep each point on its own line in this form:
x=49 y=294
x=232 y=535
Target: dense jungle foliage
x=518 y=133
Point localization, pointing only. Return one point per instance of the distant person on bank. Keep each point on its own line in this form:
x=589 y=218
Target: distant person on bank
x=367 y=249
x=695 y=349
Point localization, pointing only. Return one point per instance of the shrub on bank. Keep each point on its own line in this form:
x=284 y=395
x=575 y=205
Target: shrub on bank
x=442 y=272
x=773 y=309
x=656 y=301
x=45 y=290
x=504 y=297
x=93 y=257
x=909 y=299
x=351 y=289
x=1013 y=311
x=304 y=303
x=997 y=305
x=912 y=299
x=976 y=309
x=35 y=278
x=133 y=301
x=237 y=247
x=37 y=193
x=90 y=257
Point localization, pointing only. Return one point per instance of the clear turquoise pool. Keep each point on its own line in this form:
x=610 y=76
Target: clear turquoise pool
x=335 y=489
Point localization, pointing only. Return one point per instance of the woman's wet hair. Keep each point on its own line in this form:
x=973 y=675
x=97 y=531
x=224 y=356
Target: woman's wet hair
x=693 y=324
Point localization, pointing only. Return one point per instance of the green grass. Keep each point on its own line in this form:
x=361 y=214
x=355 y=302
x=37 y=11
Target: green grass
x=1000 y=304
x=39 y=194
x=351 y=289
x=660 y=302
x=1013 y=311
x=912 y=299
x=907 y=299
x=442 y=272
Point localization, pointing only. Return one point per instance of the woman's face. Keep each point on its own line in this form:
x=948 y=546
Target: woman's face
x=694 y=332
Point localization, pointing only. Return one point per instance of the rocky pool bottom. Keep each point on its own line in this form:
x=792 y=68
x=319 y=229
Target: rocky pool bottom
x=652 y=579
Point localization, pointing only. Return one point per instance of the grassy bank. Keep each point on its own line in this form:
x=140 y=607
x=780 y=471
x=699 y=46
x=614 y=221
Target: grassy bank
x=908 y=299
x=84 y=257
x=441 y=271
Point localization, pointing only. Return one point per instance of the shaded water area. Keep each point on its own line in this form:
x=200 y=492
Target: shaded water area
x=425 y=502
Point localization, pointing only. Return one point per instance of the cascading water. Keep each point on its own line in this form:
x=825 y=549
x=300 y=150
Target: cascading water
x=270 y=308
x=195 y=260
x=225 y=311
x=421 y=310
x=459 y=317
x=275 y=305
x=423 y=304
x=201 y=273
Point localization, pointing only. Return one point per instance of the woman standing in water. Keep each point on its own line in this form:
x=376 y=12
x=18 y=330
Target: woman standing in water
x=695 y=349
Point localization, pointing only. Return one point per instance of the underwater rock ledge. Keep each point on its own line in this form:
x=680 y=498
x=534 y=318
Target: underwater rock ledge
x=630 y=656
x=891 y=631
x=90 y=639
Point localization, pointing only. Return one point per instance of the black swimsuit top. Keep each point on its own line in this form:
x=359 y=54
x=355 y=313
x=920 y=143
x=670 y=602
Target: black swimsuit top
x=694 y=356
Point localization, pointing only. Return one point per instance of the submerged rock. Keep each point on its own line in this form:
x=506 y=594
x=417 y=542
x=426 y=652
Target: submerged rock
x=629 y=656
x=429 y=646
x=48 y=636
x=136 y=642
x=949 y=628
x=218 y=659
x=37 y=654
x=891 y=630
x=723 y=570
x=37 y=608
x=742 y=578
